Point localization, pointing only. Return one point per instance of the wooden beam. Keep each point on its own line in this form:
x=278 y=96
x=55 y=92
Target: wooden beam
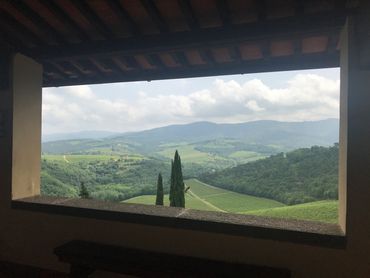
x=224 y=12
x=53 y=67
x=155 y=15
x=65 y=19
x=180 y=58
x=283 y=28
x=155 y=60
x=309 y=61
x=8 y=40
x=207 y=56
x=124 y=16
x=261 y=9
x=131 y=62
x=40 y=22
x=7 y=20
x=299 y=7
x=189 y=14
x=235 y=54
x=95 y=21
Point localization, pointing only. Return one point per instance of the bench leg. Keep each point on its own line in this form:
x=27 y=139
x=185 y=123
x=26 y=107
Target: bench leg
x=77 y=271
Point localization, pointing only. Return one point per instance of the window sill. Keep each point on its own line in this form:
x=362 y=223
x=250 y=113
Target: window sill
x=295 y=231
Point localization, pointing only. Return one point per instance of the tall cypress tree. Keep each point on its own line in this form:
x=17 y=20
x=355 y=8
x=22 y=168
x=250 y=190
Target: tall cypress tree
x=84 y=193
x=159 y=199
x=177 y=189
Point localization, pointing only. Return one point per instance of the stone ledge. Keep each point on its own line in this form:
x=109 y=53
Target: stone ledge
x=296 y=231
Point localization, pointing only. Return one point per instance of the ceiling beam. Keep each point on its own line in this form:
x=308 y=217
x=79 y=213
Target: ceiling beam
x=155 y=15
x=65 y=19
x=189 y=14
x=224 y=12
x=308 y=61
x=235 y=54
x=20 y=29
x=117 y=8
x=95 y=21
x=288 y=28
x=155 y=60
x=261 y=9
x=299 y=7
x=207 y=56
x=40 y=22
x=180 y=58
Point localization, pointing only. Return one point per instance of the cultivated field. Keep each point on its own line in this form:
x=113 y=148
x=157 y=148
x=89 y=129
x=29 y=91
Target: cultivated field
x=206 y=197
x=324 y=211
x=202 y=196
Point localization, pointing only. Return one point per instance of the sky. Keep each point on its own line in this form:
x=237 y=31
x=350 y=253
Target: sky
x=307 y=95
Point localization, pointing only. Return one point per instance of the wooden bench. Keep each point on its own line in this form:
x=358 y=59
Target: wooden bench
x=86 y=257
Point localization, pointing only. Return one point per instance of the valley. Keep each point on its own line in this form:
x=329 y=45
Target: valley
x=265 y=168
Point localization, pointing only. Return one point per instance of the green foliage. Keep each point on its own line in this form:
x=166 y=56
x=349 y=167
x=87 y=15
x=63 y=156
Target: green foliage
x=159 y=197
x=177 y=188
x=53 y=187
x=108 y=179
x=323 y=211
x=84 y=193
x=300 y=176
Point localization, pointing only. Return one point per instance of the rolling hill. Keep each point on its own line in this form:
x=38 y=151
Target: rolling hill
x=203 y=196
x=300 y=176
x=270 y=135
x=88 y=134
x=206 y=197
x=323 y=211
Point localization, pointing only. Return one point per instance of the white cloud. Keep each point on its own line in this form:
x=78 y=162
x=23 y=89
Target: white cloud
x=304 y=97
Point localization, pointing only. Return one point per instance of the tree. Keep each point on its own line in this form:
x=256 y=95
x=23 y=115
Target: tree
x=177 y=188
x=84 y=193
x=159 y=199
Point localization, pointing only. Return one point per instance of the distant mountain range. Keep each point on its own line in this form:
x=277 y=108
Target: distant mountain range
x=265 y=137
x=289 y=134
x=91 y=134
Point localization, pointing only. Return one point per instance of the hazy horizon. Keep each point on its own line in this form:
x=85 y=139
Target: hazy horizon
x=124 y=132
x=291 y=96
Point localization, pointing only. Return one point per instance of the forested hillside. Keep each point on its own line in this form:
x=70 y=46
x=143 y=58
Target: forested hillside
x=111 y=179
x=300 y=176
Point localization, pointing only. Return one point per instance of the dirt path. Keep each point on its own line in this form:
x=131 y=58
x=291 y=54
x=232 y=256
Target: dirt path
x=65 y=159
x=204 y=201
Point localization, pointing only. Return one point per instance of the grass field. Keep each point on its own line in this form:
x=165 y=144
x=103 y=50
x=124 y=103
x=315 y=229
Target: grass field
x=202 y=196
x=190 y=201
x=324 y=211
x=227 y=200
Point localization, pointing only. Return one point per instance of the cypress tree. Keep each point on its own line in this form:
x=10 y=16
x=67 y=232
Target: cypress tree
x=84 y=193
x=172 y=182
x=159 y=199
x=177 y=189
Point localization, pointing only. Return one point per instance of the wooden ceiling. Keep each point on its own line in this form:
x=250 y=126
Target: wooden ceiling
x=97 y=41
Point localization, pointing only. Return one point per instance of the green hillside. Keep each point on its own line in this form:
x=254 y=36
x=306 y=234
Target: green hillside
x=111 y=178
x=202 y=196
x=300 y=176
x=324 y=211
x=206 y=197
